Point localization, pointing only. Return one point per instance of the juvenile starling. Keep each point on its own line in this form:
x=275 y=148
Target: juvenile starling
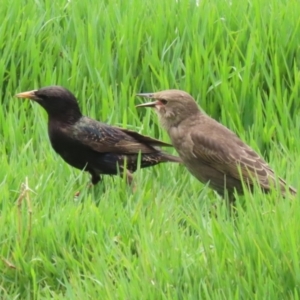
x=210 y=151
x=89 y=145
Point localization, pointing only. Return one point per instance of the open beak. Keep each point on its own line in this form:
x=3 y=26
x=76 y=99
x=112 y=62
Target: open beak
x=147 y=104
x=145 y=95
x=28 y=95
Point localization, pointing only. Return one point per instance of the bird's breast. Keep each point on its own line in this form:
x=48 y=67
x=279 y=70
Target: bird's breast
x=182 y=142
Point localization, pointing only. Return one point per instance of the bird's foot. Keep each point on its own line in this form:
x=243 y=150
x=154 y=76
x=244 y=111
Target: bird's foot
x=129 y=180
x=90 y=185
x=76 y=195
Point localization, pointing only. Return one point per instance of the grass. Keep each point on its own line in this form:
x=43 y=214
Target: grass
x=173 y=238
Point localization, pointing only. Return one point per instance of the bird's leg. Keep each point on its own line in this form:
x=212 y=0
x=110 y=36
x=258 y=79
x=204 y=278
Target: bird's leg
x=129 y=177
x=129 y=180
x=96 y=178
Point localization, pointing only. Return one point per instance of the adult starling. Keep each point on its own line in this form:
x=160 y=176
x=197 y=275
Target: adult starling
x=89 y=145
x=210 y=151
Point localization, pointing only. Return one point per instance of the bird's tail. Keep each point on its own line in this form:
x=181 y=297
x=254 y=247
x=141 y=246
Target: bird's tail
x=292 y=190
x=165 y=157
x=289 y=190
x=286 y=189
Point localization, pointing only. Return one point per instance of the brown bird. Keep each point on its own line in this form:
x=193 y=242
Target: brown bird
x=209 y=150
x=89 y=145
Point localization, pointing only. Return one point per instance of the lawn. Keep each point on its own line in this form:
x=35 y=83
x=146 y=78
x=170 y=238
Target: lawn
x=174 y=237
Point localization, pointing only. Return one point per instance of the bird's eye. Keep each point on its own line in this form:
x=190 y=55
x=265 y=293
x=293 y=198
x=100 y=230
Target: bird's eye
x=163 y=101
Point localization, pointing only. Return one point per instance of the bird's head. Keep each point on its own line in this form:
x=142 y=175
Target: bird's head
x=172 y=106
x=56 y=100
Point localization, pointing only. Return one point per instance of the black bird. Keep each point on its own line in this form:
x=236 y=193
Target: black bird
x=209 y=150
x=89 y=145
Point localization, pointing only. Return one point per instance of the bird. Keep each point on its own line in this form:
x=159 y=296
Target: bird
x=93 y=146
x=211 y=152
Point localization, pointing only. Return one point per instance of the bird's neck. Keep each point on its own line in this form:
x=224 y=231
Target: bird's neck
x=174 y=121
x=67 y=118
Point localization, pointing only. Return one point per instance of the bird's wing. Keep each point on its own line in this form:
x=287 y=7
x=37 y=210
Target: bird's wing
x=104 y=138
x=229 y=155
x=144 y=138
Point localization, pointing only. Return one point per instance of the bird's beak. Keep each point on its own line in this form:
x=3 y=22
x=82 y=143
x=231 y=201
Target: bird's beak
x=148 y=104
x=28 y=95
x=145 y=95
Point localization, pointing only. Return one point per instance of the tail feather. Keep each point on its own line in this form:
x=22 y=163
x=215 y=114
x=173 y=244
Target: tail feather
x=288 y=190
x=165 y=157
x=281 y=184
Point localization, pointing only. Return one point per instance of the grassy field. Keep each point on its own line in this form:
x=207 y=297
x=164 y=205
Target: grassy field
x=173 y=238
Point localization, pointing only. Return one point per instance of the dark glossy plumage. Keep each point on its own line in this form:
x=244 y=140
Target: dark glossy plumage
x=87 y=144
x=210 y=151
